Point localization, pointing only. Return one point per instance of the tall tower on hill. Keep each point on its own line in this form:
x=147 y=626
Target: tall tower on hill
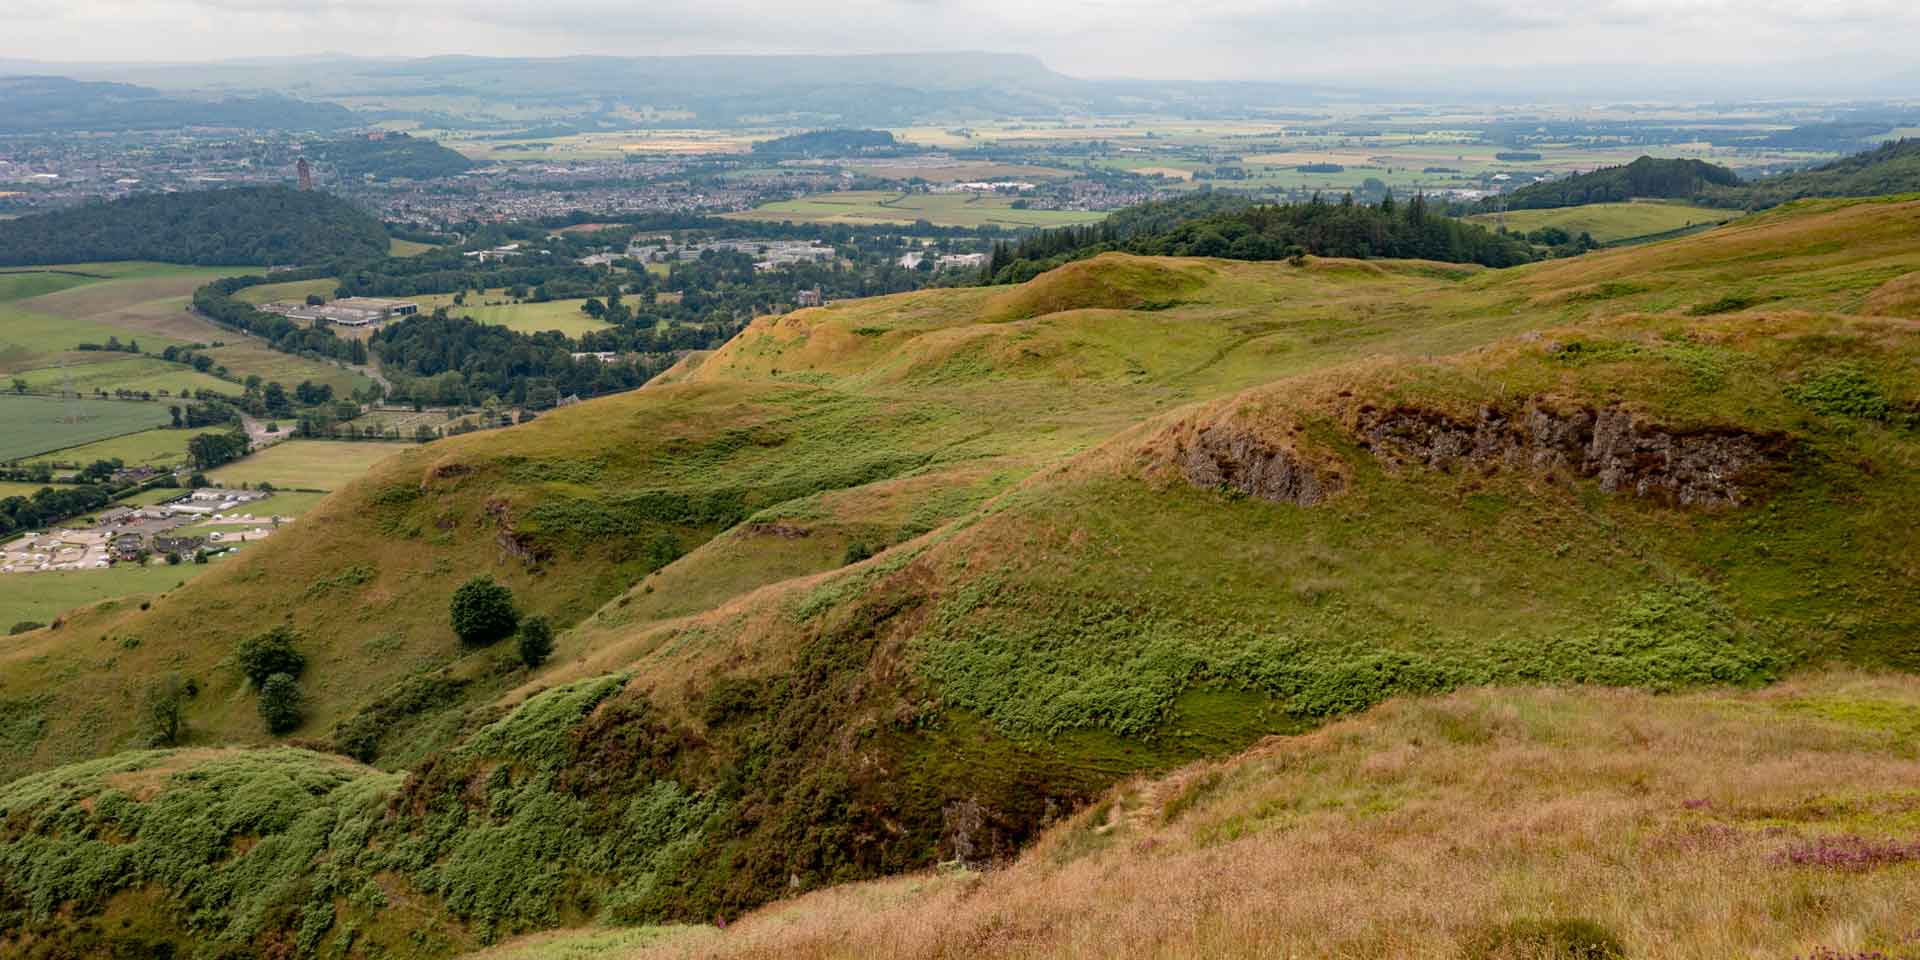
x=305 y=172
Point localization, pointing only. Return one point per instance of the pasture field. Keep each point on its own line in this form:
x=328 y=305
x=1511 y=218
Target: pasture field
x=60 y=307
x=32 y=425
x=162 y=447
x=305 y=464
x=496 y=308
x=40 y=597
x=1608 y=222
x=248 y=355
x=29 y=340
x=407 y=248
x=291 y=290
x=940 y=209
x=130 y=373
x=21 y=488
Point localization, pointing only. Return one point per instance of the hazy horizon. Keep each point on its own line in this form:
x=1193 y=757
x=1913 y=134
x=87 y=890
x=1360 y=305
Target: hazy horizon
x=1708 y=44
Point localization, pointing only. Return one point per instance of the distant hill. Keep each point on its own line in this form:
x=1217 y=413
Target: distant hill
x=243 y=225
x=41 y=104
x=386 y=156
x=1892 y=167
x=1643 y=178
x=830 y=143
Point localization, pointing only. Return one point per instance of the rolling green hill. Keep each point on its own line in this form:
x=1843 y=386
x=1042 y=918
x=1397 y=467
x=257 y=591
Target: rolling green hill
x=909 y=580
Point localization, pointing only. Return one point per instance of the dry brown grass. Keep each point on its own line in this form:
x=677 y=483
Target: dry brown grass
x=1417 y=829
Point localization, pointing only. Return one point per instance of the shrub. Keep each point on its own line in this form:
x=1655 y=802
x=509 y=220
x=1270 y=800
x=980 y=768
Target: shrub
x=25 y=626
x=1566 y=938
x=163 y=710
x=1841 y=390
x=482 y=612
x=536 y=641
x=856 y=552
x=280 y=703
x=269 y=653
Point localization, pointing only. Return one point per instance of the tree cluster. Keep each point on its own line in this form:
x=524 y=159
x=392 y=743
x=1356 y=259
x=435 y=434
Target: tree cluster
x=238 y=225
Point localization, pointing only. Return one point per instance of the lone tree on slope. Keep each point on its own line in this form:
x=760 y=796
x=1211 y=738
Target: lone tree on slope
x=482 y=612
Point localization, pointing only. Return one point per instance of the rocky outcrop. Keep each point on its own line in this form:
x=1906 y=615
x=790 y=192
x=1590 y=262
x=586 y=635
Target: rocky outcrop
x=1227 y=456
x=1709 y=467
x=510 y=542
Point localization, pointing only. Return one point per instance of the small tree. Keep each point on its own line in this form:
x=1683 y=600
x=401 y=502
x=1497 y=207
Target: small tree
x=536 y=641
x=164 y=709
x=270 y=653
x=482 y=612
x=280 y=703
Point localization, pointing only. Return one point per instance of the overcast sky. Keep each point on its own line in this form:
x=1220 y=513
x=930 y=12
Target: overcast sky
x=1350 y=40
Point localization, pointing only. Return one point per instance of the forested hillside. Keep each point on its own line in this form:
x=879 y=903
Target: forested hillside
x=1643 y=178
x=386 y=156
x=242 y=225
x=1221 y=225
x=1892 y=167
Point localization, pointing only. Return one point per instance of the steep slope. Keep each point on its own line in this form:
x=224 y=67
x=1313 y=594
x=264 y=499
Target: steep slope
x=1496 y=823
x=1117 y=534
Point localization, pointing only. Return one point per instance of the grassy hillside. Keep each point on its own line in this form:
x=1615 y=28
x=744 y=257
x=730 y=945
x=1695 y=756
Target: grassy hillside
x=1133 y=513
x=1496 y=823
x=1609 y=222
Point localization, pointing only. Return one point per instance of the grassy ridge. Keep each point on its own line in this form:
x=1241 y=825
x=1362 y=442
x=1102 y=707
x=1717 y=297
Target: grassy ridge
x=1057 y=601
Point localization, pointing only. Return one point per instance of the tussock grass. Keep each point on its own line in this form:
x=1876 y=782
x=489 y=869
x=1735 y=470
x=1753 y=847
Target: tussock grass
x=1495 y=823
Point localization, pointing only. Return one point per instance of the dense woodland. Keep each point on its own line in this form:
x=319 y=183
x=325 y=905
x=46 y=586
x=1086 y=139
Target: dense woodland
x=1645 y=177
x=385 y=157
x=831 y=143
x=255 y=225
x=1894 y=167
x=1267 y=232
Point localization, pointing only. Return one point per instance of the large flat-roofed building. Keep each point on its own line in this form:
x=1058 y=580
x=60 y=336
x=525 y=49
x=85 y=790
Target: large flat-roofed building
x=346 y=311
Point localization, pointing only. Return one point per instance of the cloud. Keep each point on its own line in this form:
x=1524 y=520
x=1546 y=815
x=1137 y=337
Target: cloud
x=1328 y=40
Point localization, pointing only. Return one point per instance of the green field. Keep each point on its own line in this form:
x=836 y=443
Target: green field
x=165 y=447
x=494 y=307
x=305 y=464
x=129 y=373
x=940 y=209
x=291 y=290
x=407 y=248
x=33 y=425
x=54 y=310
x=1608 y=222
x=17 y=488
x=41 y=597
x=247 y=355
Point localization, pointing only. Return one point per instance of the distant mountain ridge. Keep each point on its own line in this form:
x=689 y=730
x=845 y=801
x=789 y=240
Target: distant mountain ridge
x=33 y=104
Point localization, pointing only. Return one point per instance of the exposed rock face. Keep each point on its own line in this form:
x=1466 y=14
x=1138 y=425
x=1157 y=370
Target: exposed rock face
x=1225 y=456
x=1695 y=468
x=508 y=540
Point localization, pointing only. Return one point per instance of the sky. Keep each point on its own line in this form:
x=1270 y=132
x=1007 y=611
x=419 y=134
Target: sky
x=1354 y=40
